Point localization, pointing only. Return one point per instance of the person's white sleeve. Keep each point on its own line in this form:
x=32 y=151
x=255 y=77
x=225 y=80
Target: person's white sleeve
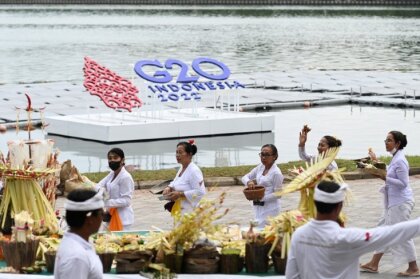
x=196 y=182
x=303 y=155
x=402 y=170
x=292 y=271
x=250 y=176
x=103 y=182
x=126 y=189
x=73 y=268
x=362 y=241
x=277 y=182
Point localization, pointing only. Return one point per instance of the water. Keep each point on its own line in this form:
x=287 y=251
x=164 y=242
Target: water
x=48 y=43
x=358 y=127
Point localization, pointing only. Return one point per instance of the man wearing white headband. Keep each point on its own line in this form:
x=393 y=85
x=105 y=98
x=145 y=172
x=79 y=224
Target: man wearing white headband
x=76 y=257
x=323 y=249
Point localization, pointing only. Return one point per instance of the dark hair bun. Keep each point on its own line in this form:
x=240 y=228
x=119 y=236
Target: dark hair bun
x=399 y=137
x=333 y=141
x=189 y=146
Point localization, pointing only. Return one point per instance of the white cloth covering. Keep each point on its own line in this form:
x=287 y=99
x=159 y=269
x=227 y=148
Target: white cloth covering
x=322 y=249
x=191 y=183
x=304 y=156
x=272 y=182
x=76 y=258
x=96 y=202
x=120 y=194
x=336 y=197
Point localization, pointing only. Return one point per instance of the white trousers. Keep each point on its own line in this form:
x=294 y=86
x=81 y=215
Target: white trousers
x=405 y=251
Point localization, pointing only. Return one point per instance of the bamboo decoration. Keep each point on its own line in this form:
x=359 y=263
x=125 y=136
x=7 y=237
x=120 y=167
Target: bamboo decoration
x=29 y=163
x=26 y=195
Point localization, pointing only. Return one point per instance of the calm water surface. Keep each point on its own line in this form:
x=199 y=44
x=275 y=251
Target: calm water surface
x=358 y=127
x=48 y=43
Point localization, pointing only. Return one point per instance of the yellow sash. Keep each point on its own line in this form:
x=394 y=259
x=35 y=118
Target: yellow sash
x=176 y=209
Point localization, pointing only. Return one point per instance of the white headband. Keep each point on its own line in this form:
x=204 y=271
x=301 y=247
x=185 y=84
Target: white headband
x=96 y=202
x=336 y=197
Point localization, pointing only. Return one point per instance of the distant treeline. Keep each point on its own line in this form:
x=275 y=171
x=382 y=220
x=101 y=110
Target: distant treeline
x=223 y=2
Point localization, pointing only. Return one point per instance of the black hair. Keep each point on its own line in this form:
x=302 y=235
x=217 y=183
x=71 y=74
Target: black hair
x=189 y=148
x=399 y=137
x=329 y=187
x=273 y=149
x=76 y=219
x=117 y=151
x=332 y=141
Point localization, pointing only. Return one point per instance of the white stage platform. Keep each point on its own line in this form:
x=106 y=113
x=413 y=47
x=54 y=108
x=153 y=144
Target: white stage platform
x=164 y=124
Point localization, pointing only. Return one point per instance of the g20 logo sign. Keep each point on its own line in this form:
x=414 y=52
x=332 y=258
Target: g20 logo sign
x=185 y=87
x=163 y=76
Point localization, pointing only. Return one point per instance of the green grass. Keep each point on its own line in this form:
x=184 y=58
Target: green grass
x=144 y=175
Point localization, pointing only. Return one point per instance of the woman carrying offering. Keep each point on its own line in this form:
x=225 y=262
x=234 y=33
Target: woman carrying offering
x=324 y=144
x=268 y=175
x=119 y=186
x=398 y=203
x=187 y=188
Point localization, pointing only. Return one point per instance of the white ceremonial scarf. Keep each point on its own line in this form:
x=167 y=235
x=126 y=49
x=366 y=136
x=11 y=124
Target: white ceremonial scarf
x=96 y=202
x=336 y=197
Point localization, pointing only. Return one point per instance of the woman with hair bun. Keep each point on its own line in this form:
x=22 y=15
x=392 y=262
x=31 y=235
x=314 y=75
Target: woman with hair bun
x=325 y=143
x=187 y=188
x=398 y=205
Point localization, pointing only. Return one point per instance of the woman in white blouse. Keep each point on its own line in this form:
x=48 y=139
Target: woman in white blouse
x=324 y=144
x=266 y=174
x=398 y=203
x=119 y=186
x=187 y=188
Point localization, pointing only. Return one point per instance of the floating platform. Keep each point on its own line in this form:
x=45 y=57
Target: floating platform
x=165 y=124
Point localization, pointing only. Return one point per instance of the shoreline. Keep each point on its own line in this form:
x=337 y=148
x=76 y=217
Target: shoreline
x=236 y=181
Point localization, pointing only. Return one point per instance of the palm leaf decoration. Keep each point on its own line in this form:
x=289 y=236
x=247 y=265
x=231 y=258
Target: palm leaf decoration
x=315 y=171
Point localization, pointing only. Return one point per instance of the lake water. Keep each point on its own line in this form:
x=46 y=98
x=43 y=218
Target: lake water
x=48 y=43
x=358 y=127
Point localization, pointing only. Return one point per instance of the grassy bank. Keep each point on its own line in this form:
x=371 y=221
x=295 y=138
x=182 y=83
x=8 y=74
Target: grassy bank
x=144 y=175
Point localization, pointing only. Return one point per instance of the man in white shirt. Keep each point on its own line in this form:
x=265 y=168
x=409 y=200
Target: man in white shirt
x=76 y=257
x=323 y=249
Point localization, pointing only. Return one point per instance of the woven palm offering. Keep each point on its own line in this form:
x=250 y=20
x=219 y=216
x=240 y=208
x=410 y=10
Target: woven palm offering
x=306 y=179
x=202 y=259
x=50 y=260
x=133 y=261
x=107 y=259
x=281 y=227
x=254 y=194
x=374 y=167
x=20 y=251
x=279 y=263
